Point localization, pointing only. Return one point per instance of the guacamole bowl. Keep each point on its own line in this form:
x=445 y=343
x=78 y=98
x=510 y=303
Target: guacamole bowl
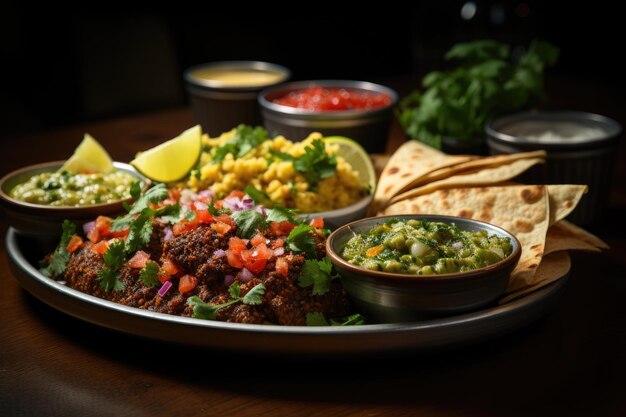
x=394 y=292
x=43 y=221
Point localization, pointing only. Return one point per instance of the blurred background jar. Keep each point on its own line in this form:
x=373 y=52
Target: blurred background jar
x=580 y=148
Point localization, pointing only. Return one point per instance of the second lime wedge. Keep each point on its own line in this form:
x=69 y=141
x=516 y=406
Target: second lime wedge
x=357 y=157
x=89 y=157
x=171 y=160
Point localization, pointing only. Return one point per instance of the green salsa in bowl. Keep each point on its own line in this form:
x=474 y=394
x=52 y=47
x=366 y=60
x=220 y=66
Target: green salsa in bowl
x=37 y=198
x=409 y=267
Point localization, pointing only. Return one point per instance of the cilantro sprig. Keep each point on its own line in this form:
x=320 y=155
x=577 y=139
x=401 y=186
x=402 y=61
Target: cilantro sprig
x=246 y=138
x=203 y=310
x=315 y=164
x=149 y=274
x=301 y=240
x=114 y=258
x=318 y=319
x=59 y=258
x=318 y=275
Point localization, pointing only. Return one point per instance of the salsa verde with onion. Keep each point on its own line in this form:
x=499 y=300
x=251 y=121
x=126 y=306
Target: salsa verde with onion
x=63 y=188
x=421 y=247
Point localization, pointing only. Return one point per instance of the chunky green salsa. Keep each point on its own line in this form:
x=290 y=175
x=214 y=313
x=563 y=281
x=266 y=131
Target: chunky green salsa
x=424 y=248
x=63 y=188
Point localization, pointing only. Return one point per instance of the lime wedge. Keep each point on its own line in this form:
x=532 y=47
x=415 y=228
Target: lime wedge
x=357 y=157
x=171 y=160
x=89 y=157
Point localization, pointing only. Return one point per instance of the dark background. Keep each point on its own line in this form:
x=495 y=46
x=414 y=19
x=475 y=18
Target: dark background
x=62 y=67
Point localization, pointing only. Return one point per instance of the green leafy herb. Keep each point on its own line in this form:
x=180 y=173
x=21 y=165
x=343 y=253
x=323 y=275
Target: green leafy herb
x=149 y=274
x=153 y=195
x=257 y=195
x=248 y=223
x=58 y=260
x=317 y=274
x=316 y=164
x=281 y=214
x=318 y=319
x=485 y=83
x=203 y=310
x=246 y=138
x=300 y=239
x=216 y=212
x=113 y=258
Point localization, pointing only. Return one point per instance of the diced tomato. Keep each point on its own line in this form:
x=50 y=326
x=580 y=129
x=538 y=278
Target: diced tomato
x=116 y=233
x=282 y=266
x=225 y=218
x=93 y=235
x=184 y=226
x=203 y=216
x=258 y=239
x=221 y=228
x=139 y=260
x=103 y=222
x=278 y=243
x=234 y=259
x=282 y=228
x=236 y=194
x=317 y=222
x=169 y=267
x=256 y=265
x=262 y=251
x=174 y=194
x=100 y=247
x=187 y=283
x=236 y=244
x=74 y=243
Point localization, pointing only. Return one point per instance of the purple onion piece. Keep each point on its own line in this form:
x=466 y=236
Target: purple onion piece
x=245 y=275
x=233 y=204
x=219 y=253
x=457 y=245
x=261 y=210
x=89 y=226
x=279 y=251
x=228 y=280
x=200 y=205
x=165 y=288
x=206 y=193
x=168 y=234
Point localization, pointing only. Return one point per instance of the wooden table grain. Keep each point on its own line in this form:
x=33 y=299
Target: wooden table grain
x=571 y=362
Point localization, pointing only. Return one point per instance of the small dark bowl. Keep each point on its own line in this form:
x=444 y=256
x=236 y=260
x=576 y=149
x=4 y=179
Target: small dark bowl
x=369 y=127
x=44 y=222
x=386 y=297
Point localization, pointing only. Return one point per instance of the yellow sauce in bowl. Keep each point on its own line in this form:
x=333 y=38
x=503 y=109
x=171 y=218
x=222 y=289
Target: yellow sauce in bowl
x=239 y=77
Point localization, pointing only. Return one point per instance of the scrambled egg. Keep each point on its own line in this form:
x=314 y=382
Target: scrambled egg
x=278 y=178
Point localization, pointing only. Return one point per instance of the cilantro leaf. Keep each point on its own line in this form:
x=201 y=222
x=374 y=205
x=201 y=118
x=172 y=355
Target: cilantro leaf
x=149 y=273
x=281 y=214
x=140 y=231
x=314 y=274
x=353 y=320
x=152 y=195
x=253 y=297
x=316 y=164
x=215 y=212
x=248 y=222
x=60 y=257
x=114 y=259
x=246 y=138
x=202 y=310
x=234 y=290
x=300 y=239
x=316 y=319
x=257 y=195
x=135 y=190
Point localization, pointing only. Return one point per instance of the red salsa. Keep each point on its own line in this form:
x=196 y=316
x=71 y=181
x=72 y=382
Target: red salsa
x=329 y=99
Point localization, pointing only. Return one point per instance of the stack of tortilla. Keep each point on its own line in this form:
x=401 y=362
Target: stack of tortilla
x=421 y=180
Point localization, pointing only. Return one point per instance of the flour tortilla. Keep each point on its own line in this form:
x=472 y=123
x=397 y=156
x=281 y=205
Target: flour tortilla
x=553 y=267
x=520 y=209
x=411 y=161
x=563 y=200
x=485 y=176
x=474 y=165
x=564 y=235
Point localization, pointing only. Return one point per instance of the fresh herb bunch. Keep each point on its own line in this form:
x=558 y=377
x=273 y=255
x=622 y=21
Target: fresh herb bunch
x=485 y=83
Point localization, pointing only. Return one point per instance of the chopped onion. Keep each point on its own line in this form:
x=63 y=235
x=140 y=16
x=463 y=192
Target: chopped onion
x=206 y=193
x=261 y=210
x=418 y=249
x=219 y=253
x=89 y=226
x=187 y=196
x=498 y=251
x=279 y=251
x=245 y=275
x=168 y=234
x=165 y=288
x=457 y=245
x=233 y=204
x=199 y=205
x=228 y=280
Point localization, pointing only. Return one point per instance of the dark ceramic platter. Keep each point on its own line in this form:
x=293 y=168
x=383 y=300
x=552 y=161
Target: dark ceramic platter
x=372 y=338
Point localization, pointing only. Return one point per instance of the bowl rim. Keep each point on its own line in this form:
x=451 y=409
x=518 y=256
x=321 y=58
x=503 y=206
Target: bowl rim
x=42 y=166
x=282 y=88
x=337 y=260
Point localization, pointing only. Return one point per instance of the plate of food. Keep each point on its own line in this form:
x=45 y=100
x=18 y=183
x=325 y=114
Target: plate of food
x=198 y=260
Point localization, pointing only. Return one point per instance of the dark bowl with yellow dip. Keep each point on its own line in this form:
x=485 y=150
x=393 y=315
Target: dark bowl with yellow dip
x=224 y=94
x=436 y=272
x=40 y=212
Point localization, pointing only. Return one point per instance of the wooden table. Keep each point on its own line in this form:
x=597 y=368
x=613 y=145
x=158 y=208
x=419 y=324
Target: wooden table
x=571 y=362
